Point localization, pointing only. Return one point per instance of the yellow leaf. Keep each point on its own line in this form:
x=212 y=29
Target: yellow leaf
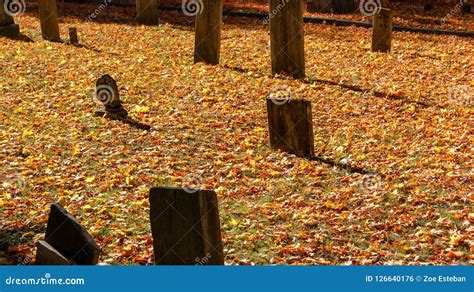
x=26 y=133
x=90 y=179
x=234 y=222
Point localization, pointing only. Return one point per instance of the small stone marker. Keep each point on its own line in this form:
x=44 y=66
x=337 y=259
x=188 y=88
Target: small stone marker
x=287 y=37
x=107 y=92
x=207 y=44
x=69 y=238
x=185 y=227
x=7 y=24
x=73 y=39
x=147 y=12
x=290 y=126
x=49 y=20
x=49 y=256
x=382 y=31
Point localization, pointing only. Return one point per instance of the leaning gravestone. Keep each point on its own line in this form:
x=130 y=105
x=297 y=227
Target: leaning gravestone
x=7 y=24
x=185 y=227
x=66 y=241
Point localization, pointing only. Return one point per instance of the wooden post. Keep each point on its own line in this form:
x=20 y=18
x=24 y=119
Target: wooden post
x=287 y=37
x=147 y=12
x=207 y=44
x=49 y=20
x=185 y=227
x=291 y=126
x=382 y=31
x=73 y=39
x=7 y=24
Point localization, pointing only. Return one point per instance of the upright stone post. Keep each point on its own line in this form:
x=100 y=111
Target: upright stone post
x=287 y=37
x=207 y=44
x=7 y=24
x=49 y=20
x=73 y=39
x=382 y=31
x=147 y=12
x=185 y=227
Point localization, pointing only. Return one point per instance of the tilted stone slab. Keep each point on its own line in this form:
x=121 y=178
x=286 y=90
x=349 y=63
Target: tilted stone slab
x=70 y=238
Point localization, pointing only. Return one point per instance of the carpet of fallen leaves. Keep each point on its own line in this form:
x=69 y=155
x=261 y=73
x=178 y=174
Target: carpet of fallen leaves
x=406 y=116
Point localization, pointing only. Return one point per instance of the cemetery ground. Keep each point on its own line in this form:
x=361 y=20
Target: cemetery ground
x=403 y=117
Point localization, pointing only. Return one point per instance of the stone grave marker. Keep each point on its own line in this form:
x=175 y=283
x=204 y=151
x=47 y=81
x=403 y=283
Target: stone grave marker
x=185 y=227
x=291 y=126
x=66 y=241
x=7 y=24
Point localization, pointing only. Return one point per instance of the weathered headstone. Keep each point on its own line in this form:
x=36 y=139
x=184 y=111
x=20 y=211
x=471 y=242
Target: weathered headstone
x=291 y=126
x=107 y=93
x=49 y=20
x=73 y=39
x=147 y=12
x=382 y=31
x=207 y=44
x=185 y=227
x=287 y=37
x=69 y=238
x=7 y=24
x=49 y=256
